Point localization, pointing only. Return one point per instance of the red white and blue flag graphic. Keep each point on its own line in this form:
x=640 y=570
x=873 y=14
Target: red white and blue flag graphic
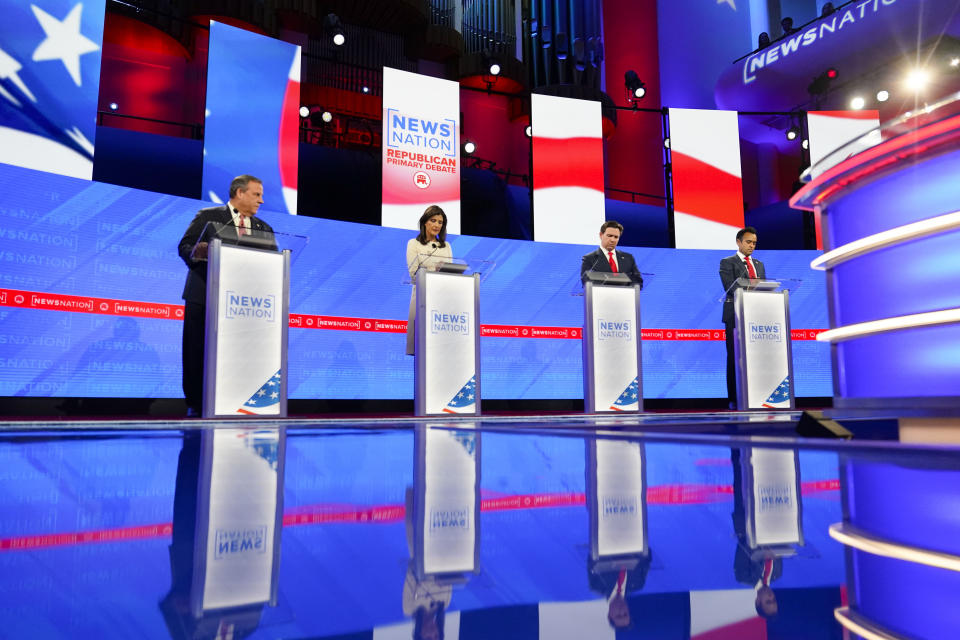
x=266 y=396
x=49 y=84
x=707 y=185
x=779 y=397
x=628 y=400
x=568 y=196
x=465 y=400
x=253 y=95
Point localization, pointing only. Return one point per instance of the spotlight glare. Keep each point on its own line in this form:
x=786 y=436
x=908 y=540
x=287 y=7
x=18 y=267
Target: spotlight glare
x=339 y=39
x=529 y=131
x=494 y=69
x=469 y=147
x=114 y=106
x=955 y=62
x=366 y=89
x=883 y=95
x=805 y=143
x=917 y=79
x=640 y=92
x=792 y=133
x=327 y=116
x=666 y=143
x=304 y=112
x=857 y=102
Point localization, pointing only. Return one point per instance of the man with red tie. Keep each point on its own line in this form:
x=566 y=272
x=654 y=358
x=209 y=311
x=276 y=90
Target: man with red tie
x=238 y=215
x=741 y=265
x=607 y=258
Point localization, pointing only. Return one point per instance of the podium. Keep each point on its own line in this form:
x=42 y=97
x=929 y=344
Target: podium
x=763 y=353
x=447 y=339
x=612 y=374
x=247 y=308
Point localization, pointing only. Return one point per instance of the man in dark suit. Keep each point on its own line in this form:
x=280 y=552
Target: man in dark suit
x=246 y=196
x=740 y=265
x=607 y=258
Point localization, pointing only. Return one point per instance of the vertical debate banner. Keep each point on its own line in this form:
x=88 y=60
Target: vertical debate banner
x=827 y=131
x=830 y=130
x=568 y=202
x=707 y=185
x=252 y=118
x=49 y=84
x=421 y=150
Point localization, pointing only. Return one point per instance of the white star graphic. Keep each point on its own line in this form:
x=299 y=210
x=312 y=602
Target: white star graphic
x=274 y=395
x=729 y=2
x=64 y=42
x=8 y=71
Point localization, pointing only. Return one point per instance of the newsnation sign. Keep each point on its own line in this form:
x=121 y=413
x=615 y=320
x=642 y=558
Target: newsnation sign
x=855 y=39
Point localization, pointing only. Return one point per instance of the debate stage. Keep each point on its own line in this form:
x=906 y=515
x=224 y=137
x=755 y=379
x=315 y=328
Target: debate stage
x=346 y=527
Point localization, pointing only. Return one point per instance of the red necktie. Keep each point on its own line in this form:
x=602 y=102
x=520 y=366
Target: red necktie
x=767 y=571
x=613 y=263
x=243 y=226
x=750 y=270
x=620 y=579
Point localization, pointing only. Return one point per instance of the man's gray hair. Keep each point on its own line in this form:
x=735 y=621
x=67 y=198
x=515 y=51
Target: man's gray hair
x=241 y=182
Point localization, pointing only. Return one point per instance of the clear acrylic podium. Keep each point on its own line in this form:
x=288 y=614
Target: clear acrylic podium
x=762 y=346
x=248 y=287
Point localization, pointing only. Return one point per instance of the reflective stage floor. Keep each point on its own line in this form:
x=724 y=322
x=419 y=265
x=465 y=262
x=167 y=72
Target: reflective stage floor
x=560 y=527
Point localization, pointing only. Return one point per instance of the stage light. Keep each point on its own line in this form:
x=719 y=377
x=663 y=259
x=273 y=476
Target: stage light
x=764 y=40
x=366 y=89
x=334 y=28
x=857 y=102
x=528 y=130
x=821 y=84
x=494 y=68
x=805 y=143
x=304 y=112
x=469 y=147
x=326 y=116
x=917 y=79
x=883 y=95
x=114 y=106
x=636 y=88
x=793 y=132
x=666 y=143
x=955 y=62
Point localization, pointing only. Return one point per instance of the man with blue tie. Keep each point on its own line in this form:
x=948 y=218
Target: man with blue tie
x=732 y=268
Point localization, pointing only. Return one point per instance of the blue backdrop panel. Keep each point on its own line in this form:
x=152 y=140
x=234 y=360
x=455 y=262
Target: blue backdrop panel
x=247 y=78
x=66 y=236
x=49 y=83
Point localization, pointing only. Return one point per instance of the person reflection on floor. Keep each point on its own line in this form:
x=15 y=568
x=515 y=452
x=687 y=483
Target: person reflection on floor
x=617 y=584
x=754 y=567
x=424 y=599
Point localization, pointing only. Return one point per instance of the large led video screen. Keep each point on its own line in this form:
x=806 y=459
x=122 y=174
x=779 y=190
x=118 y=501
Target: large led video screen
x=252 y=119
x=90 y=304
x=421 y=148
x=49 y=84
x=568 y=200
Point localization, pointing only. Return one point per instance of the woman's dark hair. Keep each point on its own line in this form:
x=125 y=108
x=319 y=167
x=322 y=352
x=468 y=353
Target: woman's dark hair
x=433 y=210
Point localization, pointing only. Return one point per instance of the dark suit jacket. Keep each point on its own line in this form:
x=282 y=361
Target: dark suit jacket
x=731 y=269
x=195 y=288
x=597 y=261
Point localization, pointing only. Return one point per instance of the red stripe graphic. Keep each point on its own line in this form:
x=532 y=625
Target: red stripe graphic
x=673 y=494
x=849 y=115
x=568 y=162
x=107 y=306
x=704 y=191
